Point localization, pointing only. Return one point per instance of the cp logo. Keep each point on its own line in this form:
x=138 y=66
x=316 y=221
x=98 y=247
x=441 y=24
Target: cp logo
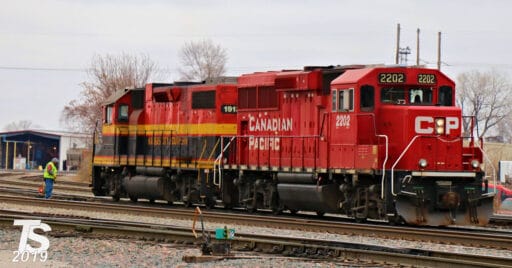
x=426 y=124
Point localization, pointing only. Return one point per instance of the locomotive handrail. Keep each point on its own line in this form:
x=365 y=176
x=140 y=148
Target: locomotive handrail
x=384 y=164
x=398 y=160
x=407 y=148
x=372 y=115
x=219 y=159
x=94 y=136
x=484 y=154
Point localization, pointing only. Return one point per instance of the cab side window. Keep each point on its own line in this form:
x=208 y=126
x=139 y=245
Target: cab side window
x=108 y=114
x=343 y=100
x=367 y=98
x=334 y=100
x=445 y=96
x=123 y=113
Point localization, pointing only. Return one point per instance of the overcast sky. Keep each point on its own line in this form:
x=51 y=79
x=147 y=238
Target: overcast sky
x=45 y=46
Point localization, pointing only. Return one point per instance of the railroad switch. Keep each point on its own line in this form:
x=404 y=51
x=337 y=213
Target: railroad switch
x=222 y=245
x=223 y=237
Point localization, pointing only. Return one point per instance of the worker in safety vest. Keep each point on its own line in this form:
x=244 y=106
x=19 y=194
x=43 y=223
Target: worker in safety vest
x=50 y=174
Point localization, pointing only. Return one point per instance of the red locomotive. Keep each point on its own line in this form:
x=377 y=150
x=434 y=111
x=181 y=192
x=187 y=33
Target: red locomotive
x=370 y=142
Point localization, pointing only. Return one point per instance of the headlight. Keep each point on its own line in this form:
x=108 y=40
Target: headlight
x=439 y=126
x=422 y=163
x=475 y=163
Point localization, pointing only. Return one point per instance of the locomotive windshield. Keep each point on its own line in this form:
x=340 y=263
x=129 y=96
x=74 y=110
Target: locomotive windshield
x=406 y=95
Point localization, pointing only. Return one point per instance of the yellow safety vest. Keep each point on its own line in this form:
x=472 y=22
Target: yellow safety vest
x=53 y=171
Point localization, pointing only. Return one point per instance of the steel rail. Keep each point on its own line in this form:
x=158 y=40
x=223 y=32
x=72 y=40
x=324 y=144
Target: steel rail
x=490 y=239
x=56 y=186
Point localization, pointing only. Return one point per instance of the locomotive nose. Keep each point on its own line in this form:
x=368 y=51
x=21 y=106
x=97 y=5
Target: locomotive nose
x=450 y=200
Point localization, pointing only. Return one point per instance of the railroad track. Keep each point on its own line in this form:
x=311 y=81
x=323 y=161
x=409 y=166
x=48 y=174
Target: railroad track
x=477 y=238
x=296 y=247
x=34 y=182
x=11 y=183
x=505 y=219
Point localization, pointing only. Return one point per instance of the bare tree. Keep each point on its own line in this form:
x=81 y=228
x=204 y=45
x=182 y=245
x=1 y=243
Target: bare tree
x=487 y=97
x=202 y=60
x=504 y=129
x=106 y=75
x=20 y=125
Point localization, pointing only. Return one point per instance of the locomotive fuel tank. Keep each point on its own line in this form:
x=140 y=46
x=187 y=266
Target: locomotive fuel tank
x=152 y=188
x=299 y=191
x=322 y=198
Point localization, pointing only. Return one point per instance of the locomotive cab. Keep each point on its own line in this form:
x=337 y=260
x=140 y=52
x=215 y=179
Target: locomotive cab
x=431 y=175
x=112 y=140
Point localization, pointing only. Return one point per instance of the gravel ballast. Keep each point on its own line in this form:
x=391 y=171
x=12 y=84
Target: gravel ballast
x=110 y=251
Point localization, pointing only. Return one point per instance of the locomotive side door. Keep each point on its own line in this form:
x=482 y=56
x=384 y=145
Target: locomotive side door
x=342 y=128
x=321 y=149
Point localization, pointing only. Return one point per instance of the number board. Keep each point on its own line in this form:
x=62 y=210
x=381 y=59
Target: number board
x=427 y=79
x=391 y=78
x=228 y=109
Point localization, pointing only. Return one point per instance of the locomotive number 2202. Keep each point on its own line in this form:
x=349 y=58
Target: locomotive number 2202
x=391 y=78
x=342 y=121
x=426 y=79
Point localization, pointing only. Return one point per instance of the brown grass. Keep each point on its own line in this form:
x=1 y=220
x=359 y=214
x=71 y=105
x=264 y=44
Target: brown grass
x=84 y=174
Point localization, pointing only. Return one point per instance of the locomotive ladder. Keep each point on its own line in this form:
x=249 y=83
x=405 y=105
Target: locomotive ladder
x=218 y=162
x=486 y=158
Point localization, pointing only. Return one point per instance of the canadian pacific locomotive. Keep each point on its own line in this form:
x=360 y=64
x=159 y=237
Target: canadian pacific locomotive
x=370 y=142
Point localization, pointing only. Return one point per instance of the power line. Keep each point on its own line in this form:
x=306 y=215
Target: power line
x=58 y=69
x=42 y=69
x=253 y=68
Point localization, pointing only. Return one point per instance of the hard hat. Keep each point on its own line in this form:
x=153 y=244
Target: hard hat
x=55 y=160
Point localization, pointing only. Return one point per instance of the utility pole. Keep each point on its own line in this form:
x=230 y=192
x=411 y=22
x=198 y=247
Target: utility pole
x=418 y=47
x=439 y=50
x=397 y=43
x=403 y=54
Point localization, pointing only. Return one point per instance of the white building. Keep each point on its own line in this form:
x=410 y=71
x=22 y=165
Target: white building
x=29 y=149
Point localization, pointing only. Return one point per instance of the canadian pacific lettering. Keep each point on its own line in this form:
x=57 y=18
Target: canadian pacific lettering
x=271 y=125
x=271 y=143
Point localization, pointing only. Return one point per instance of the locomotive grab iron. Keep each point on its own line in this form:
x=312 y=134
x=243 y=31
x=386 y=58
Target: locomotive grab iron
x=370 y=142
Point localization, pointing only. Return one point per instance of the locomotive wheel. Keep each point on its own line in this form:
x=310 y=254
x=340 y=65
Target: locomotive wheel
x=133 y=198
x=170 y=203
x=151 y=201
x=396 y=220
x=293 y=211
x=276 y=206
x=115 y=198
x=360 y=219
x=251 y=209
x=320 y=213
x=252 y=205
x=209 y=203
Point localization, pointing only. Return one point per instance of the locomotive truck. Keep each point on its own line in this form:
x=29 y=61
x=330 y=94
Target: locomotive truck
x=369 y=142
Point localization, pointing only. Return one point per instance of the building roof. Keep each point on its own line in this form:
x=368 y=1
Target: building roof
x=50 y=134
